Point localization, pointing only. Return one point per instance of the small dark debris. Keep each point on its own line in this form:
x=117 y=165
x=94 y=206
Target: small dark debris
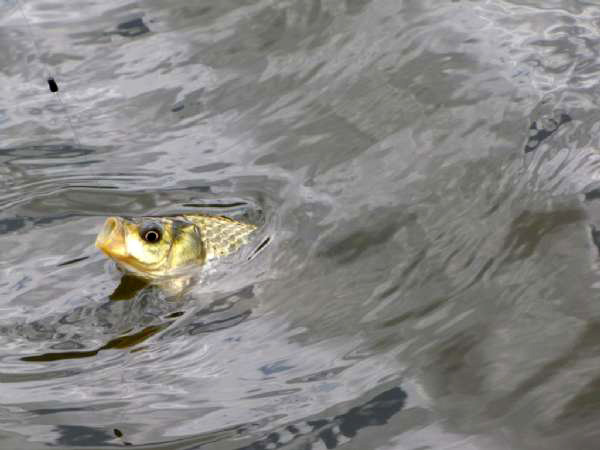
x=132 y=28
x=262 y=245
x=177 y=107
x=72 y=261
x=543 y=128
x=52 y=85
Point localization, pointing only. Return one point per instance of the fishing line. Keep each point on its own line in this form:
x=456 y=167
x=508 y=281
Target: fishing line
x=52 y=84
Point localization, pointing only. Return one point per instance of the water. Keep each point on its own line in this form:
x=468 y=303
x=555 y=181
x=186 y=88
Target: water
x=425 y=174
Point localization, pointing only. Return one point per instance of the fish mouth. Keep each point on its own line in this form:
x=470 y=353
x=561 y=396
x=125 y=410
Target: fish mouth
x=111 y=240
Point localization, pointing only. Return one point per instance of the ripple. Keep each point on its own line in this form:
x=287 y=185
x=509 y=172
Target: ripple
x=424 y=176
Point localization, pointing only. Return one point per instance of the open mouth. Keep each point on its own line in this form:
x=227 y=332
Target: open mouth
x=111 y=240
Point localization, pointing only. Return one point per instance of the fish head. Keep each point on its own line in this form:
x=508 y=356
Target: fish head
x=152 y=247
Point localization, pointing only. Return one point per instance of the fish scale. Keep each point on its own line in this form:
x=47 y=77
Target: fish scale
x=221 y=235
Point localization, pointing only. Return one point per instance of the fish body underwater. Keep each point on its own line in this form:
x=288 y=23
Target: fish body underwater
x=166 y=250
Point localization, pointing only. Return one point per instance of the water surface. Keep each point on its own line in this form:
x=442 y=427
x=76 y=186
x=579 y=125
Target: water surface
x=425 y=173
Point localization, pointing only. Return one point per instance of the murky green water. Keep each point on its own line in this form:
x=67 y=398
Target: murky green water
x=425 y=173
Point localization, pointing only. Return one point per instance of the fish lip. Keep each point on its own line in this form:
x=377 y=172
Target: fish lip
x=111 y=240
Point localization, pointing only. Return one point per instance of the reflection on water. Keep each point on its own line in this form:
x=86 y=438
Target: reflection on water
x=426 y=179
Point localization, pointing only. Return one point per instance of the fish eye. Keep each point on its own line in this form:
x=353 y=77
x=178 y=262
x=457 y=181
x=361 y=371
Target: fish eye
x=152 y=235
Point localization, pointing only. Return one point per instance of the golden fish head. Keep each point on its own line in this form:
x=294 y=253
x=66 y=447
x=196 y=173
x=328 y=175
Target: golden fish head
x=152 y=247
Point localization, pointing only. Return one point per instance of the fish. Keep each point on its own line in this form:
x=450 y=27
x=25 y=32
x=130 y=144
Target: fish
x=166 y=251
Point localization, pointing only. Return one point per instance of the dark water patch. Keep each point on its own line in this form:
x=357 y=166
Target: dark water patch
x=25 y=377
x=216 y=325
x=225 y=302
x=192 y=104
x=346 y=143
x=354 y=7
x=592 y=194
x=585 y=404
x=544 y=127
x=452 y=369
x=51 y=152
x=213 y=167
x=128 y=287
x=529 y=228
x=425 y=311
x=12 y=224
x=586 y=346
x=219 y=314
x=178 y=107
x=275 y=367
x=355 y=245
x=333 y=432
x=48 y=357
x=277 y=393
x=132 y=28
x=431 y=87
x=82 y=436
x=319 y=376
x=44 y=412
x=595 y=235
x=59 y=410
x=121 y=342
